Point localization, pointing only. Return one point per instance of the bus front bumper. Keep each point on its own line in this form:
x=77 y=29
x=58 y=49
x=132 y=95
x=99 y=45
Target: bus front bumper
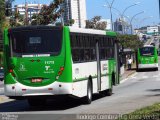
x=56 y=88
x=143 y=66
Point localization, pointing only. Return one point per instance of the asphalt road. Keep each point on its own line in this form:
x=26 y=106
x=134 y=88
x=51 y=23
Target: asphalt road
x=139 y=90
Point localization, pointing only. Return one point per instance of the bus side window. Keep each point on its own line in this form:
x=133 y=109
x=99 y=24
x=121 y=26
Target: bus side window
x=93 y=54
x=86 y=54
x=75 y=55
x=102 y=54
x=74 y=47
x=81 y=55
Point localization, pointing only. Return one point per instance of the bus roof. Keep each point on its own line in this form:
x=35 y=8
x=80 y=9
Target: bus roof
x=34 y=27
x=92 y=31
x=148 y=46
x=72 y=29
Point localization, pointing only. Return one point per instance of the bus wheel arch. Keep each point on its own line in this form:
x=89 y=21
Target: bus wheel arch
x=88 y=97
x=108 y=92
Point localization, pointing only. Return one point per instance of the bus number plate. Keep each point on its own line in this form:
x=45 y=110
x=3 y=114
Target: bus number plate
x=37 y=80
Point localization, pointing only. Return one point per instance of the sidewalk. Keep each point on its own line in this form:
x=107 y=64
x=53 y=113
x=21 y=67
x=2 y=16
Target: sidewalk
x=1 y=84
x=128 y=73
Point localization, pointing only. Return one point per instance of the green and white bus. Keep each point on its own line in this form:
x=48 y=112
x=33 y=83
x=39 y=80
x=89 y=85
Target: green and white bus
x=45 y=61
x=147 y=57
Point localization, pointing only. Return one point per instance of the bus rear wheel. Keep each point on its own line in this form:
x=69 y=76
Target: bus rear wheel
x=108 y=92
x=88 y=98
x=156 y=69
x=36 y=102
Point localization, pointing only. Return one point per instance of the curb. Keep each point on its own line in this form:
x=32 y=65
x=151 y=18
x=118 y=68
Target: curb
x=129 y=75
x=3 y=99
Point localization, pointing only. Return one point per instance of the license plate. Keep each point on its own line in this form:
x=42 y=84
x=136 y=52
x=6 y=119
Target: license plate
x=36 y=80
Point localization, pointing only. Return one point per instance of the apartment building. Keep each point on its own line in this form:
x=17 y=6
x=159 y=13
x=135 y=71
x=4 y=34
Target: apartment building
x=76 y=10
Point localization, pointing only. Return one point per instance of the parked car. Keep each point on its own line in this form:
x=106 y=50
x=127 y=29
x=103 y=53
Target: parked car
x=1 y=74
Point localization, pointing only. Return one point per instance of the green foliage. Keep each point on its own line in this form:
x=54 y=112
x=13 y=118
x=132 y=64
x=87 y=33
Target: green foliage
x=130 y=41
x=96 y=23
x=2 y=12
x=48 y=14
x=70 y=22
x=147 y=113
x=3 y=21
x=8 y=6
x=16 y=20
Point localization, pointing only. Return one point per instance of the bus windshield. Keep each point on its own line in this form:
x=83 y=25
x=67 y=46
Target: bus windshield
x=147 y=51
x=35 y=41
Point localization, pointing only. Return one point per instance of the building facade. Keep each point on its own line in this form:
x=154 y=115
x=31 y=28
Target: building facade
x=76 y=10
x=31 y=9
x=152 y=30
x=118 y=27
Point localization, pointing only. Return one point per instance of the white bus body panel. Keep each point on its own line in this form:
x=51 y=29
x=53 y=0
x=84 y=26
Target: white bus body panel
x=84 y=70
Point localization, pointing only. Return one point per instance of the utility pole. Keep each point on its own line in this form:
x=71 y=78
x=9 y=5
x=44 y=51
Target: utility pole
x=132 y=20
x=110 y=5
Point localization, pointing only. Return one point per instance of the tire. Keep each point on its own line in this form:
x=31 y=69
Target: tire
x=108 y=92
x=137 y=70
x=88 y=98
x=36 y=102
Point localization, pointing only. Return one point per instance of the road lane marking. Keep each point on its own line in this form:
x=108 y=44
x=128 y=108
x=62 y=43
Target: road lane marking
x=155 y=76
x=157 y=80
x=145 y=77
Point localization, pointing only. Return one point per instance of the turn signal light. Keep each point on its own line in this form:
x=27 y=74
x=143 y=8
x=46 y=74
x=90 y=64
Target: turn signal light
x=10 y=70
x=12 y=73
x=60 y=72
x=61 y=68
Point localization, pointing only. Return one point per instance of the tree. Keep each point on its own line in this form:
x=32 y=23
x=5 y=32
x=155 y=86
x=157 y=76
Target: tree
x=5 y=8
x=130 y=41
x=8 y=7
x=96 y=23
x=2 y=12
x=48 y=14
x=70 y=22
x=16 y=19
